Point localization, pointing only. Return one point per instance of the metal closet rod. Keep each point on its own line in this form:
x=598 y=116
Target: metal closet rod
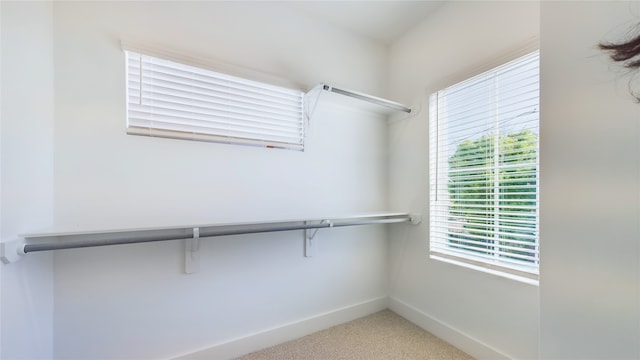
x=152 y=235
x=372 y=99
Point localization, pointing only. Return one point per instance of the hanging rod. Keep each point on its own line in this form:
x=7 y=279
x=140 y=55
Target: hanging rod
x=34 y=242
x=372 y=99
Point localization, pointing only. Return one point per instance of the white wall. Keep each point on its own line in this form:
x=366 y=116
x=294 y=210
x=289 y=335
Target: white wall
x=1 y=267
x=590 y=186
x=27 y=175
x=487 y=316
x=134 y=301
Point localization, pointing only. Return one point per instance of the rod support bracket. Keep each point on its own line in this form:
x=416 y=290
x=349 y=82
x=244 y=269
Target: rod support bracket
x=192 y=253
x=309 y=235
x=415 y=218
x=315 y=231
x=12 y=251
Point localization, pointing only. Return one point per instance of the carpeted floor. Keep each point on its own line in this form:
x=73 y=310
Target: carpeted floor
x=383 y=335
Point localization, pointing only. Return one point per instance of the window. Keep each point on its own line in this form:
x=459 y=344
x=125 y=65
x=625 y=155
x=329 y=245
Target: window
x=484 y=171
x=168 y=99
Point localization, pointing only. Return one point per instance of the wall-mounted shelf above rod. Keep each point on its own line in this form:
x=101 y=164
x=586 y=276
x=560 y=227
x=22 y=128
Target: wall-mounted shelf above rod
x=29 y=243
x=369 y=98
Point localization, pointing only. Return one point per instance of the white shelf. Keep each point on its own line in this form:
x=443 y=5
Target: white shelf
x=48 y=241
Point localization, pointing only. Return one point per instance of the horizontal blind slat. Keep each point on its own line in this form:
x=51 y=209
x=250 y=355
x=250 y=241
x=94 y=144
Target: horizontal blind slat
x=490 y=258
x=160 y=125
x=137 y=61
x=209 y=123
x=497 y=254
x=491 y=252
x=173 y=134
x=188 y=86
x=219 y=110
x=169 y=99
x=178 y=95
x=240 y=83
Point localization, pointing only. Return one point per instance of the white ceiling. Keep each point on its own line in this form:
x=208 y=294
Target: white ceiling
x=383 y=21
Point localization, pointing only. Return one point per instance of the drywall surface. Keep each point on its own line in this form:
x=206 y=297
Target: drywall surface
x=27 y=175
x=1 y=267
x=135 y=301
x=590 y=181
x=459 y=40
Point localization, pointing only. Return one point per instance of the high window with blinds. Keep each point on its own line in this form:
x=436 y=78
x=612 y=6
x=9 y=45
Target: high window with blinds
x=484 y=171
x=169 y=99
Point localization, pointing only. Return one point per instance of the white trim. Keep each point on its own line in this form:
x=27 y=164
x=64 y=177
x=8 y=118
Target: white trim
x=521 y=276
x=263 y=339
x=455 y=337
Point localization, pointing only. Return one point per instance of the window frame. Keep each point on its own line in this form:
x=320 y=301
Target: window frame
x=188 y=101
x=527 y=274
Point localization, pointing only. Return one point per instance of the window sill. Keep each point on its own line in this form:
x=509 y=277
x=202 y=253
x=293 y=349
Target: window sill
x=488 y=270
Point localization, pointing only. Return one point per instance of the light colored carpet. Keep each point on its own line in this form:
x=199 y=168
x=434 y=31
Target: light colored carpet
x=383 y=335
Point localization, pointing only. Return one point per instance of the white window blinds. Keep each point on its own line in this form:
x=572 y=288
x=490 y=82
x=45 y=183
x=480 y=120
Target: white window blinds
x=484 y=170
x=169 y=99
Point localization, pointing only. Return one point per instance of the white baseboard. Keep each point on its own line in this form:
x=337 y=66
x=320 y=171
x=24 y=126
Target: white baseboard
x=447 y=333
x=277 y=335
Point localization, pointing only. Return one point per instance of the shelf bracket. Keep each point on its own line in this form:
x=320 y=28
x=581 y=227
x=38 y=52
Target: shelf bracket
x=309 y=235
x=192 y=253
